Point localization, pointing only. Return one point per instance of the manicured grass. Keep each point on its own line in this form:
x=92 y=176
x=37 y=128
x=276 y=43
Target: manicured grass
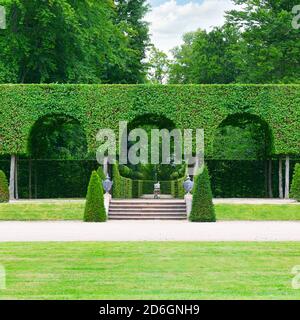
x=136 y=270
x=74 y=211
x=41 y=211
x=286 y=212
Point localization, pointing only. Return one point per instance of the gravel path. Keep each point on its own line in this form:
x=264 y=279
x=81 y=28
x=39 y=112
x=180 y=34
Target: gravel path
x=149 y=231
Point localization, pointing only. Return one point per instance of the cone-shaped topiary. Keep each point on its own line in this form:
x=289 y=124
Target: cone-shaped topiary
x=101 y=174
x=94 y=207
x=202 y=208
x=295 y=190
x=4 y=193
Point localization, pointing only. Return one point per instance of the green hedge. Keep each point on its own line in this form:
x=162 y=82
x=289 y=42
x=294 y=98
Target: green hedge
x=137 y=189
x=4 y=193
x=179 y=189
x=125 y=188
x=101 y=173
x=187 y=106
x=122 y=187
x=295 y=190
x=69 y=179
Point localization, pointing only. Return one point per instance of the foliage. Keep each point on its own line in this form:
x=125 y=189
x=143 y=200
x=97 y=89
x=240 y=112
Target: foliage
x=101 y=173
x=128 y=188
x=4 y=193
x=206 y=57
x=130 y=19
x=137 y=189
x=295 y=190
x=159 y=66
x=244 y=138
x=122 y=187
x=94 y=207
x=69 y=41
x=188 y=106
x=269 y=47
x=202 y=208
x=58 y=137
x=257 y=44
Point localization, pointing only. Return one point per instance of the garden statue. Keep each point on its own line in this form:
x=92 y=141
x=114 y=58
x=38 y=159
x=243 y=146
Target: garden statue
x=157 y=191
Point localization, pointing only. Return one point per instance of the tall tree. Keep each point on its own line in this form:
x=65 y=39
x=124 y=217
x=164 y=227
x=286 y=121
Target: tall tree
x=158 y=66
x=206 y=57
x=271 y=46
x=70 y=41
x=130 y=14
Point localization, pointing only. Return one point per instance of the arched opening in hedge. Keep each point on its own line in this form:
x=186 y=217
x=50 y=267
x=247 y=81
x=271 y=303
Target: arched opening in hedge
x=57 y=164
x=151 y=173
x=242 y=164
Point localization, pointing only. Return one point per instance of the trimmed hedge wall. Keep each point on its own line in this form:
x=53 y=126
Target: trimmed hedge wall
x=69 y=179
x=295 y=190
x=125 y=188
x=187 y=106
x=122 y=187
x=4 y=193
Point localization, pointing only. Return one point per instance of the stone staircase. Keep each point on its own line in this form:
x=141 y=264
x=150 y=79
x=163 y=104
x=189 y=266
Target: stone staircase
x=147 y=209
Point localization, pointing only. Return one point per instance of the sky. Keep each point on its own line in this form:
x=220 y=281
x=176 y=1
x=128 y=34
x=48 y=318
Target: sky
x=170 y=19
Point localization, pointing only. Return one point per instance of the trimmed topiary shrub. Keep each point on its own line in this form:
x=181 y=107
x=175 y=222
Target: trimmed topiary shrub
x=295 y=190
x=94 y=207
x=101 y=174
x=4 y=193
x=202 y=208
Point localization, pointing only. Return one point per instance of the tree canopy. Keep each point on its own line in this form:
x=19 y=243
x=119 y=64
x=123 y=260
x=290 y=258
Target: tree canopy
x=257 y=44
x=70 y=41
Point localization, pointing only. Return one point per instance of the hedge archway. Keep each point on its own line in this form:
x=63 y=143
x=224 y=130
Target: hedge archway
x=57 y=163
x=241 y=164
x=187 y=106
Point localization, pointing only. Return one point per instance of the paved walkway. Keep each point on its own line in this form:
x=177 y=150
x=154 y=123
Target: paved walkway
x=149 y=231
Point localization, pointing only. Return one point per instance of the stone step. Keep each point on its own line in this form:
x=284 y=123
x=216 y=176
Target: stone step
x=149 y=213
x=159 y=201
x=146 y=209
x=147 y=204
x=147 y=217
x=173 y=206
x=121 y=218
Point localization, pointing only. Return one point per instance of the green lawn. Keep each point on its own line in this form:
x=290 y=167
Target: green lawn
x=286 y=212
x=41 y=211
x=149 y=270
x=74 y=211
